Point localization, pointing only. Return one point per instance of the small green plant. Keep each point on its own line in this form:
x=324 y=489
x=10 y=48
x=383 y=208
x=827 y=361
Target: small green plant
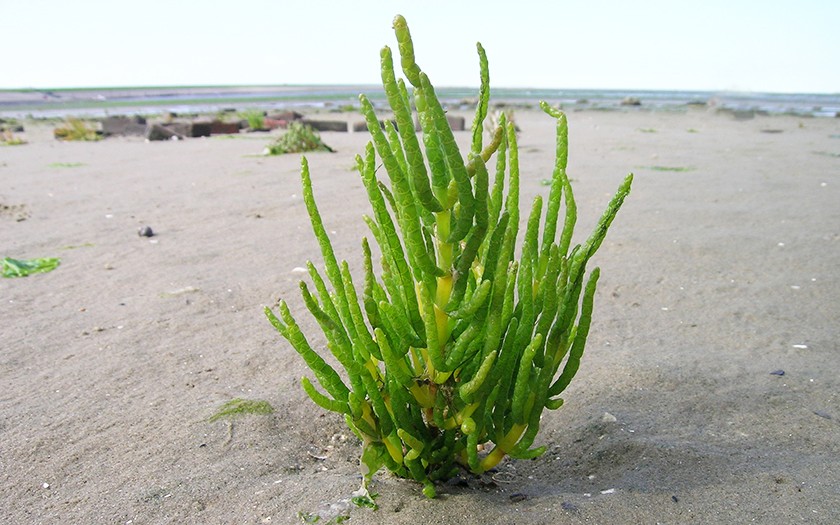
x=255 y=119
x=299 y=138
x=452 y=352
x=76 y=129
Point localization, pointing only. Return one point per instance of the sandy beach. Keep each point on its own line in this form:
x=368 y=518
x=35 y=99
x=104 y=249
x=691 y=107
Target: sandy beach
x=709 y=392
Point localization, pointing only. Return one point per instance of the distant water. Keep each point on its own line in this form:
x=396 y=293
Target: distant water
x=115 y=101
x=817 y=105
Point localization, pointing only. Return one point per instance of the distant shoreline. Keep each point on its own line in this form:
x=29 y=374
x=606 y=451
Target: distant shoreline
x=98 y=102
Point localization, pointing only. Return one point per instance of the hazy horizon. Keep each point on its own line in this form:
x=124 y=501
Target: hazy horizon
x=748 y=46
x=378 y=86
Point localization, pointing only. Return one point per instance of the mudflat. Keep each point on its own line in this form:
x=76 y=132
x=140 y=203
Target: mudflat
x=709 y=391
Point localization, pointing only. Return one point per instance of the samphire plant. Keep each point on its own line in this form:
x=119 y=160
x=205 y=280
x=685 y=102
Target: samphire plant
x=454 y=349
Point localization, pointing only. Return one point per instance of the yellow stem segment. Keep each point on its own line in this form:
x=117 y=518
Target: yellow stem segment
x=442 y=224
x=422 y=394
x=502 y=447
x=394 y=446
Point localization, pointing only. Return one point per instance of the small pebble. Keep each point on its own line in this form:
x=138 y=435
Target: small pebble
x=608 y=418
x=46 y=485
x=145 y=231
x=675 y=499
x=517 y=497
x=569 y=507
x=777 y=373
x=824 y=415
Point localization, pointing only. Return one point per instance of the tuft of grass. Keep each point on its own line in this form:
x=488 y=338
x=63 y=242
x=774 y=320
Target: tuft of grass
x=76 y=129
x=238 y=407
x=299 y=138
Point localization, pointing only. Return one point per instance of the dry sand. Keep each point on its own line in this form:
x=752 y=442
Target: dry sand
x=713 y=277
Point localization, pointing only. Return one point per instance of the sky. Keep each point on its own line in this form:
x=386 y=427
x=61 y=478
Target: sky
x=759 y=46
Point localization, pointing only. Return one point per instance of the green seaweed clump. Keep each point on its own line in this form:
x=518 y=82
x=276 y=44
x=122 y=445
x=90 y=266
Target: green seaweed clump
x=24 y=267
x=237 y=407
